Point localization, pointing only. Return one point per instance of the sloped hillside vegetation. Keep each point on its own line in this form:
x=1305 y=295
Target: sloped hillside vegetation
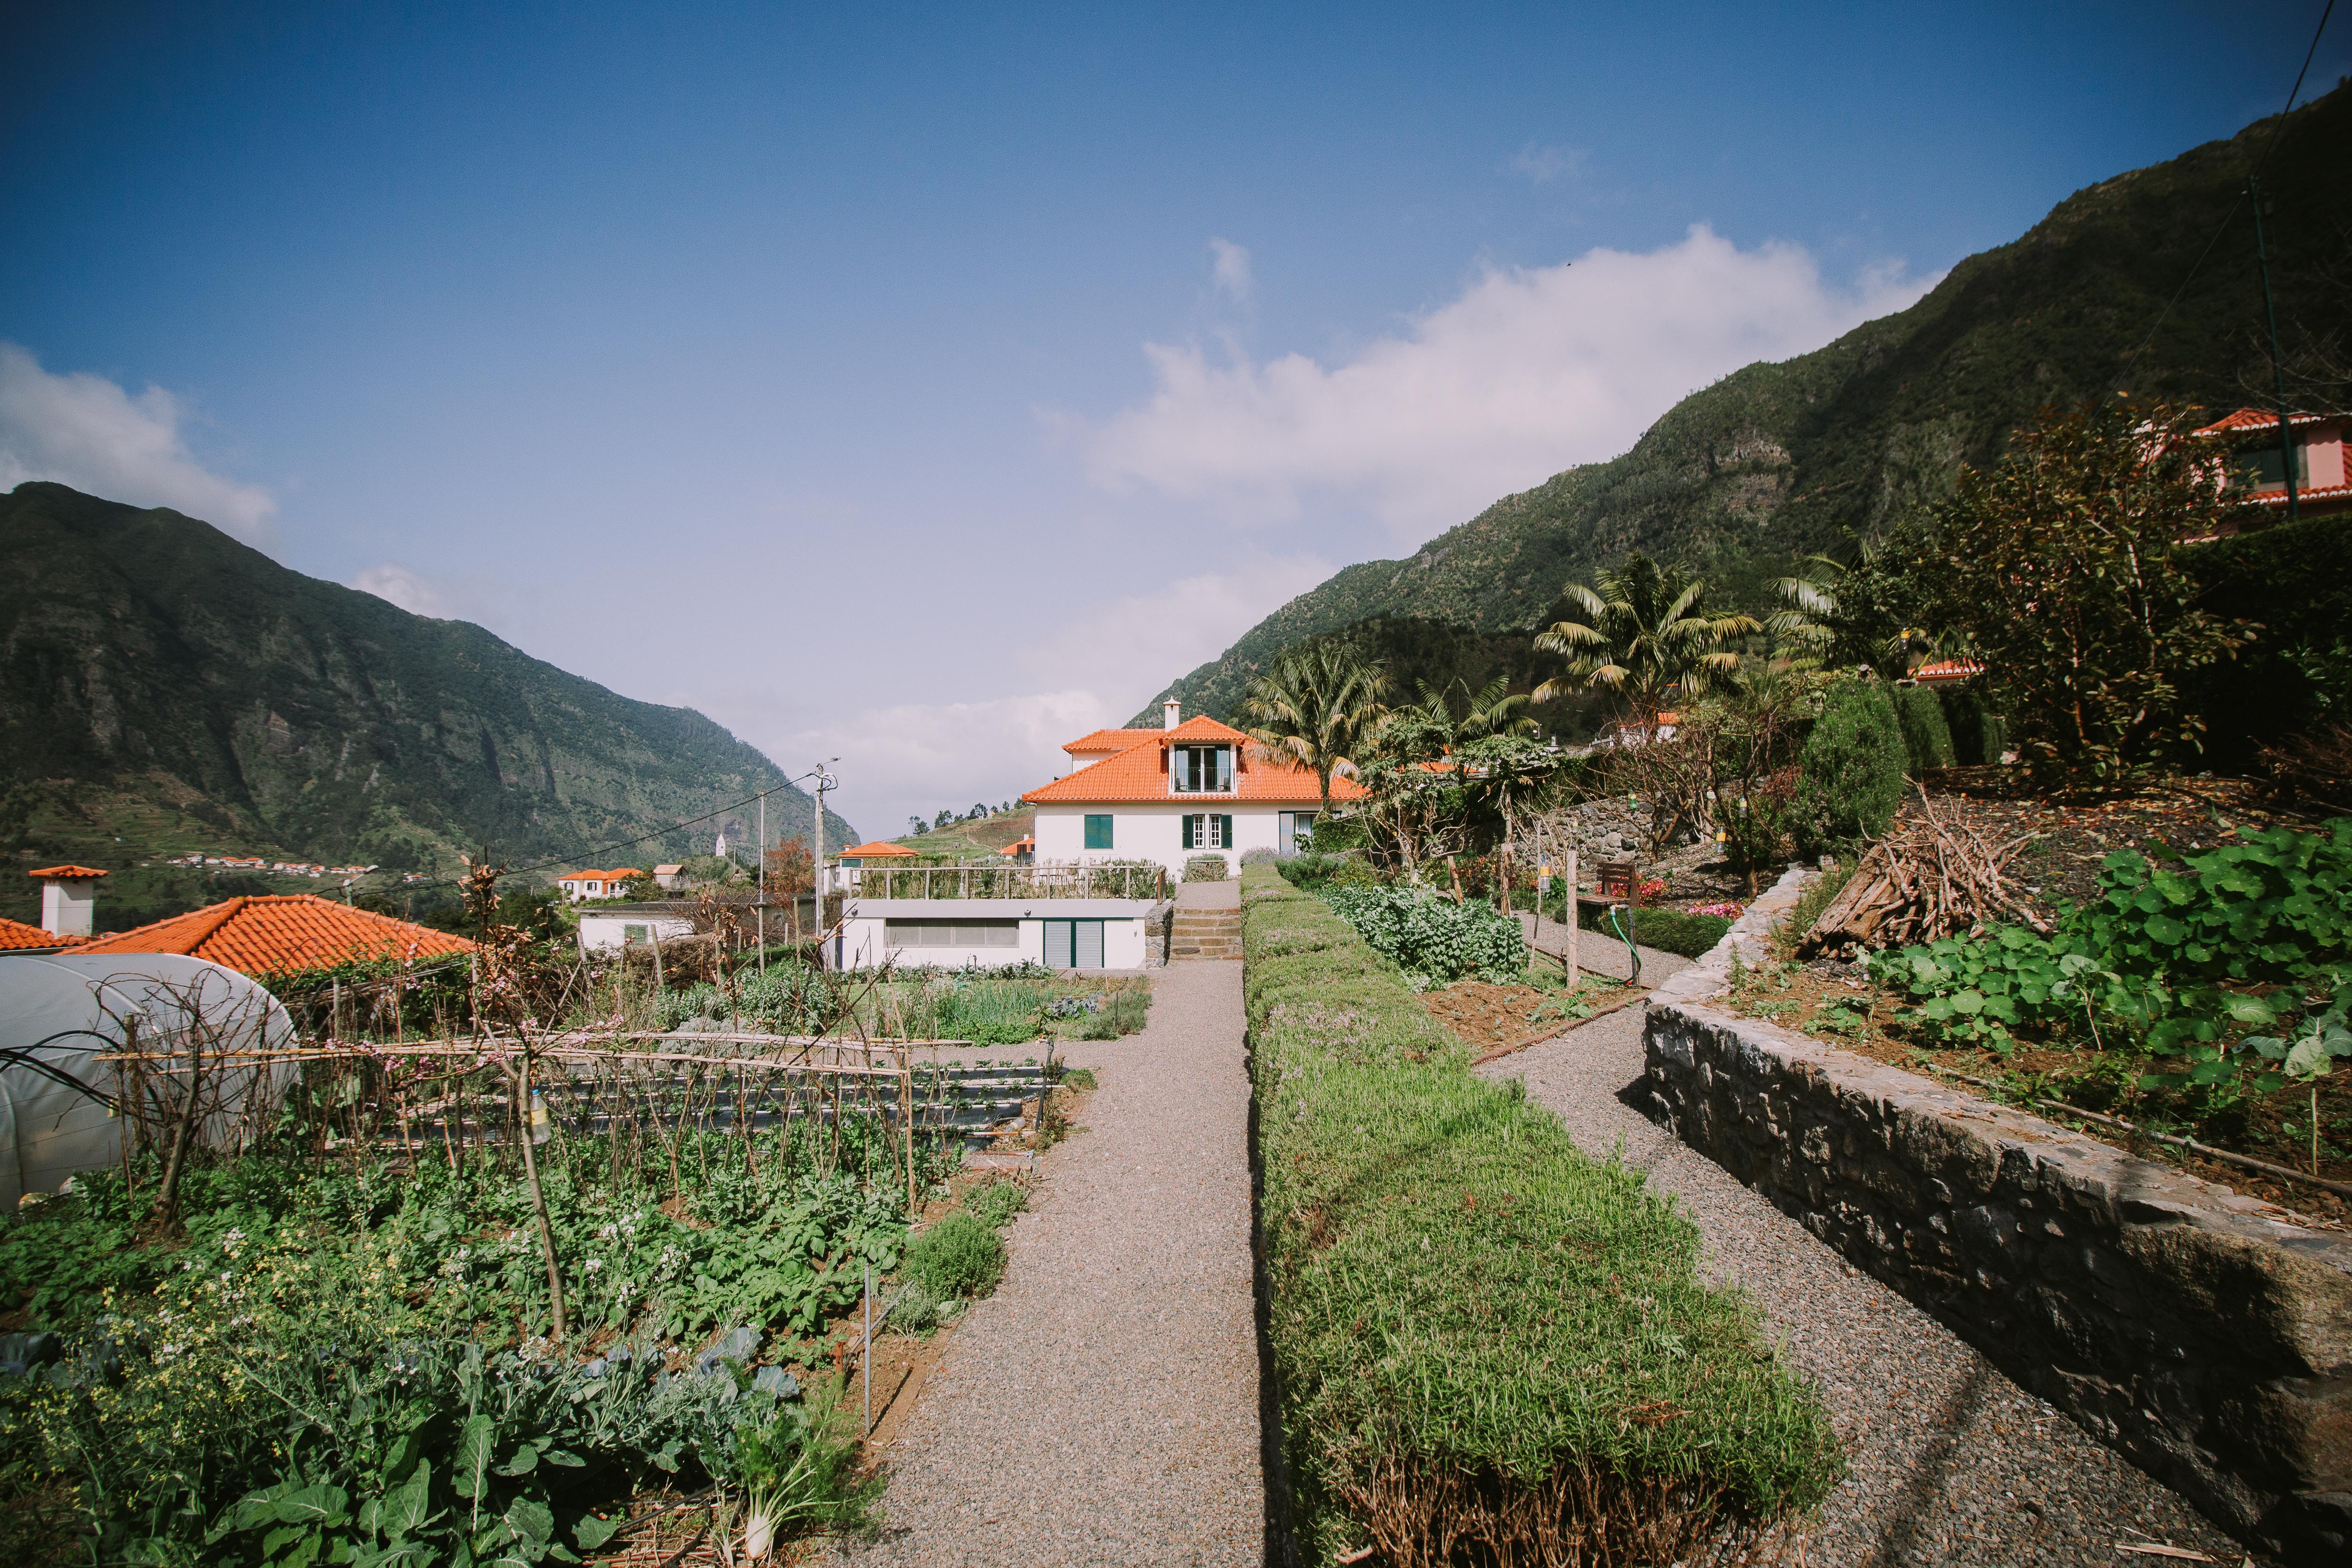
x=1780 y=459
x=152 y=664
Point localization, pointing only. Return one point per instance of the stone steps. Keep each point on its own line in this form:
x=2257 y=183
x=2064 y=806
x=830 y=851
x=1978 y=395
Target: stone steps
x=1205 y=934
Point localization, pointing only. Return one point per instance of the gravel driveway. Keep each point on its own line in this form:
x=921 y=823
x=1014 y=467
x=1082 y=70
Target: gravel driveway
x=1950 y=1461
x=1102 y=1408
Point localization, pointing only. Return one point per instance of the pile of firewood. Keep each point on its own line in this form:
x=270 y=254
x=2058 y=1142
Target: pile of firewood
x=1930 y=876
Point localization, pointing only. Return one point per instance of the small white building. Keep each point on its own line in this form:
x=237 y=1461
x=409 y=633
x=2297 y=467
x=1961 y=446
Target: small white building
x=612 y=930
x=1188 y=788
x=995 y=933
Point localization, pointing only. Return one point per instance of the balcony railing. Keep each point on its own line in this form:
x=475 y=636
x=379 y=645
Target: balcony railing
x=1048 y=880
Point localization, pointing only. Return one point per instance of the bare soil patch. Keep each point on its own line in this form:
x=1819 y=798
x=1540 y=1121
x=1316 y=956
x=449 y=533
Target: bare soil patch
x=1488 y=1017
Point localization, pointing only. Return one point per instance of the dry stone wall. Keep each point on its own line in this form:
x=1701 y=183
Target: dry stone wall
x=2200 y=1333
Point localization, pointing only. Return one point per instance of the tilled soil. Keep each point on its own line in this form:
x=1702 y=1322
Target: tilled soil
x=1950 y=1463
x=1102 y=1408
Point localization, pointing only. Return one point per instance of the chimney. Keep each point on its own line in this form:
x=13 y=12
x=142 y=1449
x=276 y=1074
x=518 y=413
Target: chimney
x=1167 y=714
x=69 y=899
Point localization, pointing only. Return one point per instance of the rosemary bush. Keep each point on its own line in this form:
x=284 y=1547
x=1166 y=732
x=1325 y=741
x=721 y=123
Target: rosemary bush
x=1480 y=1332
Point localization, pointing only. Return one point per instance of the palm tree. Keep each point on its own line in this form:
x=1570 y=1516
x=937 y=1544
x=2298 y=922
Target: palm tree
x=1494 y=709
x=1645 y=640
x=1316 y=708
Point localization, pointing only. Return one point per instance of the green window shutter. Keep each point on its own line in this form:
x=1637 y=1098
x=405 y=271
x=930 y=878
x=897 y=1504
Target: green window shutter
x=1225 y=831
x=1098 y=832
x=1188 y=832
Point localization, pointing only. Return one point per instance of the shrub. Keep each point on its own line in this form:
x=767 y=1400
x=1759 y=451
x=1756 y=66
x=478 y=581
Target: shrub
x=994 y=1204
x=960 y=1256
x=1333 y=834
x=1319 y=870
x=1480 y=1332
x=1850 y=774
x=1430 y=938
x=1978 y=734
x=1205 y=868
x=1927 y=738
x=1259 y=856
x=1667 y=930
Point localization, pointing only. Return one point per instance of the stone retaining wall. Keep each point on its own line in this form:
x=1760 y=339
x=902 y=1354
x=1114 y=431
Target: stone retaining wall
x=2200 y=1333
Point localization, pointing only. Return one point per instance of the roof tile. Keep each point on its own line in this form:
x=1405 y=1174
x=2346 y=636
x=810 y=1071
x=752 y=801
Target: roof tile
x=15 y=934
x=280 y=934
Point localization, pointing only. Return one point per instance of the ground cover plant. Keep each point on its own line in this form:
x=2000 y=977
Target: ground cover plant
x=1434 y=939
x=1490 y=1346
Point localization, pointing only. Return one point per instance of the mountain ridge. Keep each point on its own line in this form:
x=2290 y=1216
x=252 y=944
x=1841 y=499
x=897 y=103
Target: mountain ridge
x=156 y=672
x=1782 y=459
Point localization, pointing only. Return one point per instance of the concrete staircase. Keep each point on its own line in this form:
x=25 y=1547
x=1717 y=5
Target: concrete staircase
x=1205 y=934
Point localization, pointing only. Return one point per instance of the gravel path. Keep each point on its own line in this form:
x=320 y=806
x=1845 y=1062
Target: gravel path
x=1950 y=1461
x=1598 y=953
x=1102 y=1408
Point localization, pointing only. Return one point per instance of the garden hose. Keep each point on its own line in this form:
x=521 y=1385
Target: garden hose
x=1633 y=954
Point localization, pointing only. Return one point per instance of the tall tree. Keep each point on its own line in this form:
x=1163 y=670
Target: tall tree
x=1316 y=708
x=2062 y=567
x=1645 y=640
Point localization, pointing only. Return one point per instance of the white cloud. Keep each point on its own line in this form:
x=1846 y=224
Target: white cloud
x=1230 y=271
x=1095 y=670
x=1542 y=164
x=412 y=590
x=1527 y=372
x=85 y=431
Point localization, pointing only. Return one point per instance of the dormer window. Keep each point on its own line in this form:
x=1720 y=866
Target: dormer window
x=1200 y=770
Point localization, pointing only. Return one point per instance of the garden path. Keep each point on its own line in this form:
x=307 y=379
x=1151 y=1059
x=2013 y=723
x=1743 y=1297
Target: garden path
x=1598 y=953
x=1949 y=1462
x=1102 y=1408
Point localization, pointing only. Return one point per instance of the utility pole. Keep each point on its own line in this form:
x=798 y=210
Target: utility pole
x=816 y=857
x=2278 y=374
x=760 y=904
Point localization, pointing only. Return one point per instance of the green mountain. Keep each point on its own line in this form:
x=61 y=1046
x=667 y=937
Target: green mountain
x=1810 y=452
x=165 y=689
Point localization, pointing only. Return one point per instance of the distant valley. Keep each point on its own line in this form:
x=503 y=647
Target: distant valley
x=165 y=690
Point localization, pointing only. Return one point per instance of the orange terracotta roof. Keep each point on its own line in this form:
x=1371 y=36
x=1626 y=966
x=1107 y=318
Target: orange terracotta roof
x=15 y=934
x=1140 y=773
x=621 y=874
x=878 y=847
x=1947 y=670
x=1112 y=740
x=63 y=873
x=2247 y=419
x=2305 y=494
x=280 y=934
x=1021 y=846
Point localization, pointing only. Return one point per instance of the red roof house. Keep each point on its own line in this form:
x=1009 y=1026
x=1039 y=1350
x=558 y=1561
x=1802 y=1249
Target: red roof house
x=283 y=934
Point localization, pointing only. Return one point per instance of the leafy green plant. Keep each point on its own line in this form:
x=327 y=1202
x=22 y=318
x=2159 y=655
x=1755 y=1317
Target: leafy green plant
x=2311 y=1053
x=1927 y=737
x=1433 y=937
x=962 y=1255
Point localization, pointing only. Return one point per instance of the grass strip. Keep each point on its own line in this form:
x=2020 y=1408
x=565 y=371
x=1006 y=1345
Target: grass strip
x=1491 y=1347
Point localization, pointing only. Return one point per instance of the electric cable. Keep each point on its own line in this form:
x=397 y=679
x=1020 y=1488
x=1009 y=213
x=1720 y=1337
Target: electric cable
x=2260 y=164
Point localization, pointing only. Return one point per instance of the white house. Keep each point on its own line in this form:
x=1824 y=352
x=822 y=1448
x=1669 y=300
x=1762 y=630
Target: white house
x=582 y=886
x=1188 y=789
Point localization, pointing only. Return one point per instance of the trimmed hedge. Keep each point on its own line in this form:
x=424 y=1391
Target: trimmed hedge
x=1850 y=774
x=1927 y=740
x=1482 y=1335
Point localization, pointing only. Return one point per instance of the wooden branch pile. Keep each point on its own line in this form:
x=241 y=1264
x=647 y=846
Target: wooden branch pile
x=1930 y=876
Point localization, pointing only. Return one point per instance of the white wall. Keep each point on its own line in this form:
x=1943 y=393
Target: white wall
x=1124 y=945
x=606 y=930
x=1155 y=832
x=69 y=908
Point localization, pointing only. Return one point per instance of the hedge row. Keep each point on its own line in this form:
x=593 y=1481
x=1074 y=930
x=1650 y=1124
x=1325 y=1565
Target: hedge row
x=1489 y=1345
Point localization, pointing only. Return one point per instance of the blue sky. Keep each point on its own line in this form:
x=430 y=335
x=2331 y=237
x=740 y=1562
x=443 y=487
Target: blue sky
x=925 y=386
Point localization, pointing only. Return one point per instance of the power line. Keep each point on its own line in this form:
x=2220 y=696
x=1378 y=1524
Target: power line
x=625 y=844
x=2260 y=164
